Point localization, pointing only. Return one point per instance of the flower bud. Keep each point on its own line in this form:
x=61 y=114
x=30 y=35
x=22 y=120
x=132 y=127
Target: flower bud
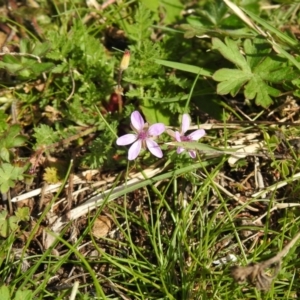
x=125 y=60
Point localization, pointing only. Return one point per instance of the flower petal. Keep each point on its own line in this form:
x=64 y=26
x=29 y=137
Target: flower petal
x=126 y=139
x=154 y=148
x=134 y=150
x=180 y=150
x=177 y=136
x=156 y=129
x=137 y=121
x=171 y=133
x=185 y=125
x=197 y=134
x=192 y=153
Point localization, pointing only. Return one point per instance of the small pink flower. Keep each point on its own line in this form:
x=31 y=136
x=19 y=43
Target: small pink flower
x=143 y=138
x=180 y=137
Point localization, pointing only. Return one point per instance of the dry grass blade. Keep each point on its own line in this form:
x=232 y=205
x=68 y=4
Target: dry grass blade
x=277 y=185
x=244 y=17
x=97 y=200
x=255 y=273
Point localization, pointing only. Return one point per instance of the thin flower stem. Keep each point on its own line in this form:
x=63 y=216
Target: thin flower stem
x=190 y=94
x=103 y=119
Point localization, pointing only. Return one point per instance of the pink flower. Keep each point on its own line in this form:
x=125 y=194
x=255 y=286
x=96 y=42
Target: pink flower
x=143 y=138
x=180 y=137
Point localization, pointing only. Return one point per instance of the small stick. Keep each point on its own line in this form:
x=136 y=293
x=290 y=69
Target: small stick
x=255 y=273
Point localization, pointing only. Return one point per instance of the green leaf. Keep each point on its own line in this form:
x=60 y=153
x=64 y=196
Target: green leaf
x=8 y=175
x=11 y=68
x=24 y=295
x=257 y=88
x=194 y=146
x=282 y=36
x=168 y=100
x=194 y=29
x=268 y=64
x=4 y=154
x=184 y=67
x=41 y=48
x=3 y=215
x=4 y=293
x=255 y=73
x=214 y=107
x=173 y=9
x=10 y=59
x=61 y=68
x=3 y=118
x=18 y=141
x=285 y=169
x=25 y=45
x=154 y=114
x=14 y=130
x=12 y=138
x=231 y=51
x=4 y=228
x=231 y=81
x=13 y=223
x=22 y=213
x=139 y=31
x=152 y=5
x=39 y=68
x=45 y=135
x=214 y=13
x=288 y=56
x=251 y=48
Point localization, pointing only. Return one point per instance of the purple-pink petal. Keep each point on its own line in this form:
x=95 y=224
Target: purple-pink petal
x=171 y=133
x=192 y=153
x=177 y=136
x=134 y=150
x=180 y=150
x=137 y=121
x=154 y=148
x=156 y=129
x=185 y=125
x=197 y=134
x=126 y=139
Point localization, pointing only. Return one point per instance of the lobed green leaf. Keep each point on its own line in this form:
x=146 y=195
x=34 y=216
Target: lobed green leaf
x=231 y=80
x=230 y=50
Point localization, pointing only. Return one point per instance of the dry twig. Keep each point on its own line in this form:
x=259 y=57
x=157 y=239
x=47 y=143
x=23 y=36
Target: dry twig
x=255 y=273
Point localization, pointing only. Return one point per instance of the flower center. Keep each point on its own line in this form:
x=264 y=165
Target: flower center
x=143 y=135
x=185 y=138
